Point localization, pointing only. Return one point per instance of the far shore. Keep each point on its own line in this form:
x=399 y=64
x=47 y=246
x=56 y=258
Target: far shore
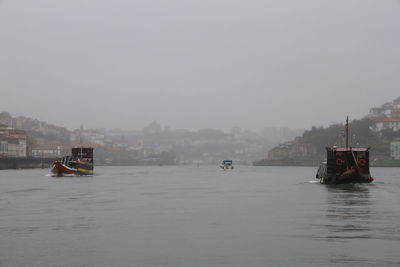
x=315 y=163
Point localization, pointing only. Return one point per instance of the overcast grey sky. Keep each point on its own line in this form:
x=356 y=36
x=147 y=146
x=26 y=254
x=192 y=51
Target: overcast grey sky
x=198 y=64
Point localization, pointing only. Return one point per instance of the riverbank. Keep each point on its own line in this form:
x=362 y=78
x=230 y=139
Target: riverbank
x=315 y=163
x=287 y=162
x=25 y=163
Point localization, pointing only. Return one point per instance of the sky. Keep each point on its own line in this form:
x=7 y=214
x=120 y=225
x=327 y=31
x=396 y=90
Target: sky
x=198 y=64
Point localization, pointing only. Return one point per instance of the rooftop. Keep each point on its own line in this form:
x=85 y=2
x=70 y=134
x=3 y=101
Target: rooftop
x=343 y=149
x=387 y=119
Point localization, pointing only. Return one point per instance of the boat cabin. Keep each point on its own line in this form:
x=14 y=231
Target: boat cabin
x=340 y=160
x=85 y=153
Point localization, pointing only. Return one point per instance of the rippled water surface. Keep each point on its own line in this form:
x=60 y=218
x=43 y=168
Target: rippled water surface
x=198 y=216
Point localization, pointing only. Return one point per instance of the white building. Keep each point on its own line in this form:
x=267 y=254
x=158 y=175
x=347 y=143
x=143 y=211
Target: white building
x=47 y=151
x=390 y=109
x=386 y=123
x=395 y=149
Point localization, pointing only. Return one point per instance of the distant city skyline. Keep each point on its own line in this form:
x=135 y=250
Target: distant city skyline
x=11 y=123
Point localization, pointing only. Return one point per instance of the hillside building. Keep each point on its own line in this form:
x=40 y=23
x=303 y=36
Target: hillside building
x=386 y=123
x=395 y=149
x=13 y=143
x=387 y=116
x=291 y=150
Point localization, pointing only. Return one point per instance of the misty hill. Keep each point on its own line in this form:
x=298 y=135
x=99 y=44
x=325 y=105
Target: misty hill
x=39 y=131
x=375 y=130
x=154 y=141
x=204 y=146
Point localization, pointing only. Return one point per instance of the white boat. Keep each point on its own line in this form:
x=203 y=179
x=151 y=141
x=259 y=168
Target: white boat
x=226 y=165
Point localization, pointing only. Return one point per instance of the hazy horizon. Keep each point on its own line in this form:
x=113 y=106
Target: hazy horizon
x=198 y=64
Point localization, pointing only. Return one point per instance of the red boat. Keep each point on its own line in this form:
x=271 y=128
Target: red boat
x=79 y=163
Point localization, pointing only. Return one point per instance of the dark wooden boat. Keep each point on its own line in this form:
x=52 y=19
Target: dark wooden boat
x=79 y=163
x=345 y=164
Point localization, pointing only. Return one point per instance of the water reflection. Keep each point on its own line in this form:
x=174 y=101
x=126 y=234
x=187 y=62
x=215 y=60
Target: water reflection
x=348 y=211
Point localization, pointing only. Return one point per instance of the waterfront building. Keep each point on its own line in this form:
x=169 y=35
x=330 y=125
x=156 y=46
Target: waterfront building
x=50 y=151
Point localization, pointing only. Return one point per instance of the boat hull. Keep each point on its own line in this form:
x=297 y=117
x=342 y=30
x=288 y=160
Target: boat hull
x=226 y=168
x=349 y=177
x=61 y=169
x=346 y=179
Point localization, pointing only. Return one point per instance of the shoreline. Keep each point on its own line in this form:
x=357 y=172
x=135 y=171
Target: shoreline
x=314 y=163
x=44 y=163
x=25 y=163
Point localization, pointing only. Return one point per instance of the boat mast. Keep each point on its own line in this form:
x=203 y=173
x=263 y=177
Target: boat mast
x=347 y=132
x=80 y=139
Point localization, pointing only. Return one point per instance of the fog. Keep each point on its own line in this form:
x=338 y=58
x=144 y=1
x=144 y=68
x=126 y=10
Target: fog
x=198 y=64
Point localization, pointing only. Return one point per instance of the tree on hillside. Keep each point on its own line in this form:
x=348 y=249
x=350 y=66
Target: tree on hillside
x=5 y=115
x=360 y=134
x=321 y=137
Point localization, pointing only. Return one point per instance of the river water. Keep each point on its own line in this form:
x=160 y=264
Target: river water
x=198 y=216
